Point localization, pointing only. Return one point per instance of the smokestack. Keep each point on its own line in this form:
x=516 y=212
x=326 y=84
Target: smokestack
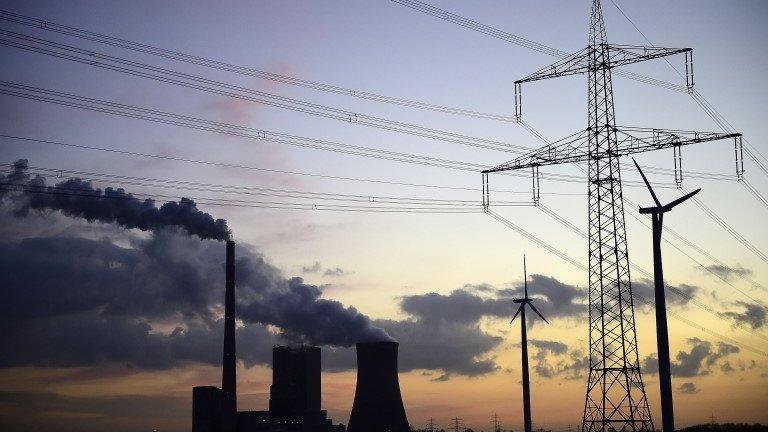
x=228 y=377
x=378 y=406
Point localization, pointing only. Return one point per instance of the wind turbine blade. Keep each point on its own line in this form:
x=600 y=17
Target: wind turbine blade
x=538 y=313
x=517 y=313
x=525 y=277
x=653 y=194
x=680 y=200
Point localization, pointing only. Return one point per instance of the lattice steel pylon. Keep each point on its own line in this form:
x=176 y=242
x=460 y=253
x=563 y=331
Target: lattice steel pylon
x=615 y=396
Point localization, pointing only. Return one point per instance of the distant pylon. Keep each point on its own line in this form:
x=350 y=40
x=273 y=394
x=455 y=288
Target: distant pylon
x=496 y=423
x=457 y=424
x=431 y=425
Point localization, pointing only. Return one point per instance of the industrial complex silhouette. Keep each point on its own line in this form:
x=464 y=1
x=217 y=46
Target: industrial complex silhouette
x=295 y=393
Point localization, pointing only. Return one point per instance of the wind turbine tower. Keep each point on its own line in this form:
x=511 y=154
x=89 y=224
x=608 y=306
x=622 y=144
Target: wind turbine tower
x=524 y=343
x=662 y=335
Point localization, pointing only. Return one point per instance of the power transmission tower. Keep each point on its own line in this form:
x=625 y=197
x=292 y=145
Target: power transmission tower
x=457 y=424
x=615 y=395
x=431 y=425
x=496 y=423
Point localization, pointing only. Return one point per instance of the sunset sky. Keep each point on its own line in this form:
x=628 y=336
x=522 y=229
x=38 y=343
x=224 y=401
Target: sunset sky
x=108 y=328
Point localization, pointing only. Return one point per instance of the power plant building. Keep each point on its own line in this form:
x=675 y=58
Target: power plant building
x=295 y=393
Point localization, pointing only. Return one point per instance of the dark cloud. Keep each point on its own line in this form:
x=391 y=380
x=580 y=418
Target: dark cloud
x=79 y=199
x=697 y=361
x=555 y=299
x=452 y=347
x=334 y=272
x=727 y=273
x=753 y=314
x=73 y=301
x=678 y=295
x=314 y=268
x=554 y=359
x=90 y=338
x=688 y=388
x=77 y=301
x=459 y=306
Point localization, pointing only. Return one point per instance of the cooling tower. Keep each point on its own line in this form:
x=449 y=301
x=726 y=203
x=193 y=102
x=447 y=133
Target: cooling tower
x=378 y=406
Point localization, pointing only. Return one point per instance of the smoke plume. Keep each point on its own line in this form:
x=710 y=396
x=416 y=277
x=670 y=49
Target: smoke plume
x=79 y=199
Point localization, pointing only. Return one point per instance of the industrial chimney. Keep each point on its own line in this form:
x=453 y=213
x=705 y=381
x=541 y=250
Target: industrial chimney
x=228 y=377
x=378 y=406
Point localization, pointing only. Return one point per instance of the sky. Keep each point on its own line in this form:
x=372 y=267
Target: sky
x=125 y=321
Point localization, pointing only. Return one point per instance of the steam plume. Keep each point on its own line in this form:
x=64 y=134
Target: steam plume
x=79 y=199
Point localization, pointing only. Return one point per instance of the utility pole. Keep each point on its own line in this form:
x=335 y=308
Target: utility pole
x=615 y=395
x=525 y=301
x=662 y=334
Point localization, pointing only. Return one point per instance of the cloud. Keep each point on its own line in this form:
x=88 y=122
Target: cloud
x=727 y=273
x=314 y=268
x=105 y=300
x=696 y=362
x=553 y=359
x=458 y=306
x=687 y=388
x=334 y=272
x=561 y=300
x=90 y=338
x=753 y=315
x=678 y=295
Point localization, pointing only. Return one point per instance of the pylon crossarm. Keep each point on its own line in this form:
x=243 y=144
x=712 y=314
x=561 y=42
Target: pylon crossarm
x=633 y=140
x=621 y=55
x=571 y=64
x=568 y=149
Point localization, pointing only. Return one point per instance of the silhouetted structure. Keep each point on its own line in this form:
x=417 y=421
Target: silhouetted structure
x=615 y=397
x=662 y=334
x=295 y=381
x=378 y=406
x=229 y=366
x=524 y=344
x=295 y=393
x=206 y=409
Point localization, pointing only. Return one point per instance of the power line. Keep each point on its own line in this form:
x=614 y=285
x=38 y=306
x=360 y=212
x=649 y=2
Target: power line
x=242 y=70
x=271 y=170
x=701 y=205
x=104 y=61
x=88 y=58
x=729 y=229
x=162 y=117
x=583 y=267
x=521 y=41
x=57 y=173
x=716 y=116
x=675 y=290
x=90 y=193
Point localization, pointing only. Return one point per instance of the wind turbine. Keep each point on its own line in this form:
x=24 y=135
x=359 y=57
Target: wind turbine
x=524 y=337
x=662 y=334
